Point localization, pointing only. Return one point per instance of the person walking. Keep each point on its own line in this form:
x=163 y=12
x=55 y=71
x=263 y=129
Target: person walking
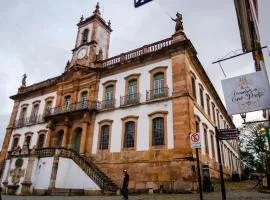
x=125 y=185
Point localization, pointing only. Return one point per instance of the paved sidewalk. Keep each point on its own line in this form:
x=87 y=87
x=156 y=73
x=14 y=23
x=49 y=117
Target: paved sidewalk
x=236 y=195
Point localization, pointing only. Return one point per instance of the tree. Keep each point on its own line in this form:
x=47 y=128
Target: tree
x=253 y=146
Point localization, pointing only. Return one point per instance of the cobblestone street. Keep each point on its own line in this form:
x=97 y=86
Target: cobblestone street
x=235 y=191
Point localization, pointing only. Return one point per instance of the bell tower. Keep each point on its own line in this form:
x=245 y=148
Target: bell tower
x=93 y=39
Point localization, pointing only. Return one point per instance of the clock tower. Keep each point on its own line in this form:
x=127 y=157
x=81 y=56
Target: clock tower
x=93 y=40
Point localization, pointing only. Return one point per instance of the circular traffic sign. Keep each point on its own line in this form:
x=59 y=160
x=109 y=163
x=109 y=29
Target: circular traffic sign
x=195 y=137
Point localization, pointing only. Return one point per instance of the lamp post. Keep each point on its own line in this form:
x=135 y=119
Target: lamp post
x=244 y=116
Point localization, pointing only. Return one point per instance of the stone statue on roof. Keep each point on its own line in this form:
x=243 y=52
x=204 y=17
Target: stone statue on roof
x=179 y=23
x=24 y=80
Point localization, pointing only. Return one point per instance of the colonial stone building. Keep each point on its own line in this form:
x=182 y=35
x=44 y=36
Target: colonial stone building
x=76 y=132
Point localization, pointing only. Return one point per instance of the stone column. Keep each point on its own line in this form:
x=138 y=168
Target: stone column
x=28 y=175
x=49 y=134
x=54 y=171
x=66 y=129
x=83 y=138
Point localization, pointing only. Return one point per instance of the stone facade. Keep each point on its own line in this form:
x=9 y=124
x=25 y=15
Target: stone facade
x=75 y=106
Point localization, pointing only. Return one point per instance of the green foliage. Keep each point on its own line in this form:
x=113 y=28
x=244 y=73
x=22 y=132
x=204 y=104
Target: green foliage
x=253 y=147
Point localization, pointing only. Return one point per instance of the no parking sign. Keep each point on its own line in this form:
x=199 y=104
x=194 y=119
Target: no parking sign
x=195 y=140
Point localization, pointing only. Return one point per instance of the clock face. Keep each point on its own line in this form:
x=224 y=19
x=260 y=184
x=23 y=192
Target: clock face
x=81 y=53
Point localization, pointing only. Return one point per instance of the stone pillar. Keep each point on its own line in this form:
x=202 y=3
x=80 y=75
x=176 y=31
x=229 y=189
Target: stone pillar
x=66 y=134
x=83 y=138
x=54 y=170
x=85 y=122
x=28 y=175
x=49 y=134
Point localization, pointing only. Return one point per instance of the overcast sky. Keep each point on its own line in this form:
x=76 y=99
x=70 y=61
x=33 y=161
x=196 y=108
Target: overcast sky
x=36 y=36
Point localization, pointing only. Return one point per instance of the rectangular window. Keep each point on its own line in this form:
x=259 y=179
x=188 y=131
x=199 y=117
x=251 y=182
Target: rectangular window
x=205 y=141
x=214 y=113
x=41 y=140
x=208 y=104
x=158 y=131
x=15 y=143
x=104 y=137
x=201 y=97
x=213 y=146
x=193 y=87
x=218 y=121
x=129 y=134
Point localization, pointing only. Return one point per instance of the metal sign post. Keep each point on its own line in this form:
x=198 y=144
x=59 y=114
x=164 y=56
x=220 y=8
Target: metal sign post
x=195 y=142
x=220 y=166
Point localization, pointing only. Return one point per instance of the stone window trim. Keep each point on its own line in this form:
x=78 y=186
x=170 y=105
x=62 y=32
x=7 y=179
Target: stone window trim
x=126 y=119
x=213 y=112
x=82 y=91
x=16 y=135
x=156 y=70
x=153 y=115
x=193 y=74
x=43 y=131
x=213 y=144
x=130 y=78
x=28 y=134
x=102 y=123
x=208 y=104
x=193 y=86
x=201 y=86
x=65 y=96
x=25 y=105
x=50 y=98
x=36 y=102
x=106 y=84
x=205 y=125
x=205 y=136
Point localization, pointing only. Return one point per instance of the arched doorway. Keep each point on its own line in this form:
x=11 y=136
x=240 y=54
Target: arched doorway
x=59 y=138
x=77 y=139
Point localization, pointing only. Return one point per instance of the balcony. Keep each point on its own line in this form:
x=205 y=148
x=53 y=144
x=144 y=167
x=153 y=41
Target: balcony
x=131 y=99
x=80 y=106
x=157 y=93
x=29 y=121
x=106 y=104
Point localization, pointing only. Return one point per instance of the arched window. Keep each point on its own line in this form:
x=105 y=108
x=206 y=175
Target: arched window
x=132 y=90
x=109 y=96
x=41 y=140
x=83 y=99
x=34 y=113
x=85 y=36
x=15 y=143
x=67 y=102
x=129 y=134
x=158 y=131
x=159 y=84
x=28 y=140
x=22 y=115
x=104 y=137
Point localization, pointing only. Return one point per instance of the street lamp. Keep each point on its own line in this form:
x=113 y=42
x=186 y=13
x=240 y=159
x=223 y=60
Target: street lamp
x=244 y=116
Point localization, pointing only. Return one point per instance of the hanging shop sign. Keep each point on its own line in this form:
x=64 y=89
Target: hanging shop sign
x=246 y=93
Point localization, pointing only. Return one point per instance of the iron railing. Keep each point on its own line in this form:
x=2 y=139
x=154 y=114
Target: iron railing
x=130 y=99
x=28 y=121
x=106 y=104
x=157 y=93
x=108 y=63
x=88 y=166
x=83 y=105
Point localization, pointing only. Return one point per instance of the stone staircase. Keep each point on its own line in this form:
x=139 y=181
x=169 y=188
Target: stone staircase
x=89 y=167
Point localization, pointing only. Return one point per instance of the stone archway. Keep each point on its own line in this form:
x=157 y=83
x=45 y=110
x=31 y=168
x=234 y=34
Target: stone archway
x=76 y=141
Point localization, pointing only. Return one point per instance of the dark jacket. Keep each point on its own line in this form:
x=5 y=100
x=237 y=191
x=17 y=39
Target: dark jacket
x=126 y=180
